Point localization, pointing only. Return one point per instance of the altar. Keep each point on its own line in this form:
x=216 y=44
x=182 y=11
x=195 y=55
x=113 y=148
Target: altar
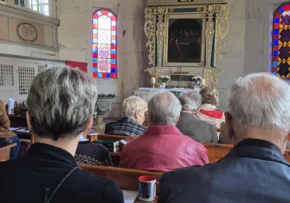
x=147 y=93
x=185 y=40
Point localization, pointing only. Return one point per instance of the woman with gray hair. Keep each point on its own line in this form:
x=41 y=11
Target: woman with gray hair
x=208 y=111
x=196 y=129
x=134 y=110
x=61 y=102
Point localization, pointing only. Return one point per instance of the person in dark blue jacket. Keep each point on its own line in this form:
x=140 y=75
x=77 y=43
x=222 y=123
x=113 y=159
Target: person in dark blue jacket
x=254 y=171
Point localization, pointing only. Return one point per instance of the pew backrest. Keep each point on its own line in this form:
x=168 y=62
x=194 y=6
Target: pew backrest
x=127 y=179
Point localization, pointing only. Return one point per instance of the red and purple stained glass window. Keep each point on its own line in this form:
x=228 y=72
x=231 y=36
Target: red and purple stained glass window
x=104 y=57
x=281 y=42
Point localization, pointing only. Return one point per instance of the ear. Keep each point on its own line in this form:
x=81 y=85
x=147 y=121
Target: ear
x=289 y=137
x=136 y=115
x=28 y=121
x=229 y=125
x=149 y=118
x=88 y=127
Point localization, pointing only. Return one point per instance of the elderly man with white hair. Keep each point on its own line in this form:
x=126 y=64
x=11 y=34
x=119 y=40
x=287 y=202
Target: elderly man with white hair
x=258 y=121
x=134 y=110
x=200 y=131
x=163 y=147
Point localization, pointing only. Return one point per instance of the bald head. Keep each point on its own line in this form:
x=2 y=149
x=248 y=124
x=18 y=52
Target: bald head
x=260 y=101
x=164 y=109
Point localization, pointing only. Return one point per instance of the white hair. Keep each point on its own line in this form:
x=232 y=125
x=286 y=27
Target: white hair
x=261 y=100
x=133 y=104
x=164 y=108
x=190 y=100
x=60 y=102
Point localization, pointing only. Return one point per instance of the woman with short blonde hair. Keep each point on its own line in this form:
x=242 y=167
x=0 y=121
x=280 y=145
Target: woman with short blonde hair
x=134 y=111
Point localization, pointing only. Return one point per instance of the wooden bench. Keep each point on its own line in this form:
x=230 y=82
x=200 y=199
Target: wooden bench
x=116 y=156
x=127 y=179
x=96 y=136
x=218 y=151
x=5 y=152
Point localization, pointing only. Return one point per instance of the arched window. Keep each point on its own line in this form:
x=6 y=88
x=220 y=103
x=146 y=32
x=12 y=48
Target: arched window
x=104 y=58
x=281 y=42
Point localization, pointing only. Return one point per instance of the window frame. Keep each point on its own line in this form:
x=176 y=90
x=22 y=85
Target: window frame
x=113 y=74
x=275 y=44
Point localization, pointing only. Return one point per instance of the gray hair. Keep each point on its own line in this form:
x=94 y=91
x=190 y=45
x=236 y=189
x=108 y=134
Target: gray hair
x=60 y=102
x=261 y=100
x=133 y=104
x=190 y=100
x=164 y=108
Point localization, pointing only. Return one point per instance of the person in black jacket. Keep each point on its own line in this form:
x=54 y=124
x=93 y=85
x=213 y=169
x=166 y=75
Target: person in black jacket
x=60 y=104
x=255 y=171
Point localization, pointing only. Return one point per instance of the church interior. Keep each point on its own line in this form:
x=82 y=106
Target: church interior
x=131 y=90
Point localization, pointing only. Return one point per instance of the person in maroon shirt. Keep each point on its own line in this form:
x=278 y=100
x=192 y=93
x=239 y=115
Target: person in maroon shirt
x=163 y=147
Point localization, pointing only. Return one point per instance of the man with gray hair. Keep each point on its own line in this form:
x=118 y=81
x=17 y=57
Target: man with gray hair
x=163 y=147
x=198 y=130
x=258 y=121
x=61 y=102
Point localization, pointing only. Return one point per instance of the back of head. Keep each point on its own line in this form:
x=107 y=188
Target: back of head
x=164 y=109
x=190 y=100
x=209 y=96
x=60 y=102
x=262 y=101
x=132 y=104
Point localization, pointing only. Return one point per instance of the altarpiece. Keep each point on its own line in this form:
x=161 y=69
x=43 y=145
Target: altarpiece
x=185 y=38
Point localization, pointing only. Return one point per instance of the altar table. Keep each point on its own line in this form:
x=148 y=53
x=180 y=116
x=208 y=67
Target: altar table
x=147 y=93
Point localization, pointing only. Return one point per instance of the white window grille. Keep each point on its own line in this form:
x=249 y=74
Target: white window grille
x=25 y=77
x=41 y=6
x=6 y=75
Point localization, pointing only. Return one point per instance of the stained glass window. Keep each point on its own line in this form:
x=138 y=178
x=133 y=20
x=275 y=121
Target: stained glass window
x=104 y=59
x=281 y=42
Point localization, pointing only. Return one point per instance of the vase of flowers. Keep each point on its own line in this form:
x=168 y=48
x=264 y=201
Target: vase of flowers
x=164 y=79
x=103 y=105
x=197 y=82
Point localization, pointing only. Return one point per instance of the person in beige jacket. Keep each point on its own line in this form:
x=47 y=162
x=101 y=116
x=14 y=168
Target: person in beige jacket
x=6 y=135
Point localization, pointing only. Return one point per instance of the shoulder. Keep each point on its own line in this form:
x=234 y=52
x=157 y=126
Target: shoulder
x=110 y=124
x=91 y=182
x=186 y=176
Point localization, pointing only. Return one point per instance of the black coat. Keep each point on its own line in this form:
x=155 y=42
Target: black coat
x=33 y=178
x=253 y=172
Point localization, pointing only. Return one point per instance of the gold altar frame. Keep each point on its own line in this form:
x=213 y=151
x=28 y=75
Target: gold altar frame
x=165 y=48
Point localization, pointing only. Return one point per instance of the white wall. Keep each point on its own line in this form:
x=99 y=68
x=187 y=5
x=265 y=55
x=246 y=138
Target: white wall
x=233 y=53
x=257 y=39
x=75 y=42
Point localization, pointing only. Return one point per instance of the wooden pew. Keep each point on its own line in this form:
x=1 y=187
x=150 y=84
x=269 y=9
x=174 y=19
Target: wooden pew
x=218 y=151
x=96 y=136
x=18 y=121
x=127 y=179
x=5 y=152
x=116 y=156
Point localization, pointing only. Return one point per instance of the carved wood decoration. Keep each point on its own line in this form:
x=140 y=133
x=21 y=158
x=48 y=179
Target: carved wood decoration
x=214 y=30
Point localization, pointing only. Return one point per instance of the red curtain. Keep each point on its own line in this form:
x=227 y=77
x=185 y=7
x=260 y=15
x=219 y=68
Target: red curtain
x=75 y=64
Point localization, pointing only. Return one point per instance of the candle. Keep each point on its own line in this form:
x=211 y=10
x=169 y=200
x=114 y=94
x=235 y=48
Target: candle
x=153 y=80
x=203 y=82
